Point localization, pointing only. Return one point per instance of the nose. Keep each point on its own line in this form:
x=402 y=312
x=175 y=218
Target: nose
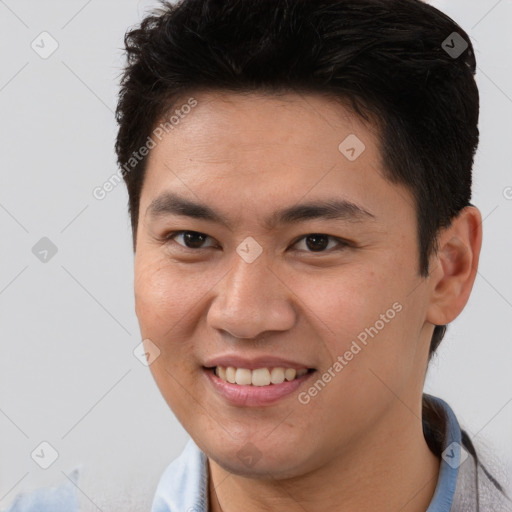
x=251 y=300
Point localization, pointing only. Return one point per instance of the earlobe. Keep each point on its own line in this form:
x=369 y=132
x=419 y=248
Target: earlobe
x=454 y=266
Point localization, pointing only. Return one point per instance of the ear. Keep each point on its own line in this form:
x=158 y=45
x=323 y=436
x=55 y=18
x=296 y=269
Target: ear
x=453 y=268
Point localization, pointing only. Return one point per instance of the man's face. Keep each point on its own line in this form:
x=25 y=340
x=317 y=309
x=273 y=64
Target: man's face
x=273 y=280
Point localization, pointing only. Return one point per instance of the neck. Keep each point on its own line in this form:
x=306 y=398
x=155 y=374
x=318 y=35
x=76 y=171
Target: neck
x=393 y=469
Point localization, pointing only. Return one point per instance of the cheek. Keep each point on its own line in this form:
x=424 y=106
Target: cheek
x=363 y=313
x=368 y=326
x=343 y=302
x=164 y=304
x=161 y=297
x=169 y=303
x=155 y=302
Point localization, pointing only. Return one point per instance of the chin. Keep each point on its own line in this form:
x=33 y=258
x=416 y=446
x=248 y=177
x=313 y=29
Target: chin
x=259 y=461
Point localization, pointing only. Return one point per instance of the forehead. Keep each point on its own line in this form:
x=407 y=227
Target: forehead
x=225 y=123
x=249 y=151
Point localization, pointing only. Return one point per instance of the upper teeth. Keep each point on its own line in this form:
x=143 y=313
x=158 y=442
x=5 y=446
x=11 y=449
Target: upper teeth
x=258 y=377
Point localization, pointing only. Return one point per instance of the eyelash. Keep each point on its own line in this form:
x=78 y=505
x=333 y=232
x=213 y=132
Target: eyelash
x=342 y=244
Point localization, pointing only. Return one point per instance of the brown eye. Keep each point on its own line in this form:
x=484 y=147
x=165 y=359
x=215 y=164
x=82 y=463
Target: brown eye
x=191 y=239
x=319 y=242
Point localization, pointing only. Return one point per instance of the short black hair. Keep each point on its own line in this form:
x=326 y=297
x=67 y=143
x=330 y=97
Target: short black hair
x=401 y=64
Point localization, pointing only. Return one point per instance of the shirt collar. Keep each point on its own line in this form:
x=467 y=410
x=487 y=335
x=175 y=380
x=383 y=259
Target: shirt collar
x=184 y=484
x=451 y=458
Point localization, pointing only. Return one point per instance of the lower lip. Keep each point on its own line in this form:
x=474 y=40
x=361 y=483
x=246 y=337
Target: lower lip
x=255 y=396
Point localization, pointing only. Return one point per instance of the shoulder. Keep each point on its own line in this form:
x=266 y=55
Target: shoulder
x=470 y=479
x=478 y=485
x=60 y=498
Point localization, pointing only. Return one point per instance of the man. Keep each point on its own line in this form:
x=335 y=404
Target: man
x=299 y=178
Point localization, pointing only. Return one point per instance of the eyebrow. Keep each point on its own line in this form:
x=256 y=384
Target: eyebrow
x=335 y=208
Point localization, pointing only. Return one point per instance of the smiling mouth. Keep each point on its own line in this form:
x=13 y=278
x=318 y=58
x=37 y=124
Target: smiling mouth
x=258 y=377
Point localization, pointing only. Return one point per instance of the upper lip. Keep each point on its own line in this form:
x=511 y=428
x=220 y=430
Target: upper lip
x=253 y=363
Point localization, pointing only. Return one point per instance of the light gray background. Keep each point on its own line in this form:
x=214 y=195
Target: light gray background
x=68 y=375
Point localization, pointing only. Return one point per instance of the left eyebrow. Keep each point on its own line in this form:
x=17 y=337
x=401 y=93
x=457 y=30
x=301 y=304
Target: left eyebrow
x=331 y=209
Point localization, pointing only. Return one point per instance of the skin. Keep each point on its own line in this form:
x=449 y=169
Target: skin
x=358 y=444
